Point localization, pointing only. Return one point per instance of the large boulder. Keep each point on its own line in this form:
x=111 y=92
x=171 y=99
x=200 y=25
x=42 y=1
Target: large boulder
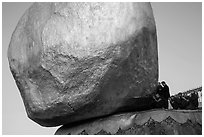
x=74 y=61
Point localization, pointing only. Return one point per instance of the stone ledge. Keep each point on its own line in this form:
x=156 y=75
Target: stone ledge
x=157 y=121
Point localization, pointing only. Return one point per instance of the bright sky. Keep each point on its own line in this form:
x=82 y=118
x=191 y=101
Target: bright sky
x=179 y=32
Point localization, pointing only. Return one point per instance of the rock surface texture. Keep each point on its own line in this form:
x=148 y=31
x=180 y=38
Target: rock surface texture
x=153 y=122
x=74 y=61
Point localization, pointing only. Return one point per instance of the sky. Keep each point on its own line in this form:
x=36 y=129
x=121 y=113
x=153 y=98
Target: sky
x=179 y=32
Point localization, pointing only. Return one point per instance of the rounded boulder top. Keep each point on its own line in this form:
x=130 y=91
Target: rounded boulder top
x=75 y=61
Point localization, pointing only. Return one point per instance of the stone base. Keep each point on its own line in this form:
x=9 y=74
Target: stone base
x=171 y=122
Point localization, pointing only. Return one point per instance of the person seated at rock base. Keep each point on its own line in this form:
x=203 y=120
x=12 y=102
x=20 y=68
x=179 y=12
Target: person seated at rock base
x=157 y=99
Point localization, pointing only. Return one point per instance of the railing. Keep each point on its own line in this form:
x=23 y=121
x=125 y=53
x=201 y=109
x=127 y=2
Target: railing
x=189 y=93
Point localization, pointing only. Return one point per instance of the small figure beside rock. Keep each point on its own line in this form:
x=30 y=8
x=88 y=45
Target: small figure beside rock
x=161 y=96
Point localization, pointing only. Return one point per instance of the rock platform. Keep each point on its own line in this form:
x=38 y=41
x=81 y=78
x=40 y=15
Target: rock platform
x=151 y=122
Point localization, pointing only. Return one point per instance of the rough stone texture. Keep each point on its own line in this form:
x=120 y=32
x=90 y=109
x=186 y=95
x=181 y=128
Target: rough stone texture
x=153 y=122
x=74 y=61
